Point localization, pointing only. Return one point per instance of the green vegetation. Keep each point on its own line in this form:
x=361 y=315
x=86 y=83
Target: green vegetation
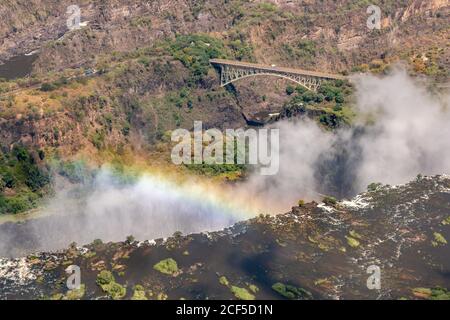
x=106 y=280
x=242 y=293
x=374 y=186
x=47 y=87
x=291 y=292
x=217 y=169
x=352 y=242
x=446 y=221
x=253 y=288
x=290 y=90
x=105 y=277
x=328 y=105
x=330 y=201
x=76 y=294
x=195 y=51
x=438 y=239
x=355 y=235
x=231 y=171
x=25 y=180
x=167 y=266
x=436 y=293
x=224 y=281
x=304 y=49
x=139 y=293
x=74 y=171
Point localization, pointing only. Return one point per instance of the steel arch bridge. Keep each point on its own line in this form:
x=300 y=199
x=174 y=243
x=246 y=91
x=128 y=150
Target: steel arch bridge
x=231 y=71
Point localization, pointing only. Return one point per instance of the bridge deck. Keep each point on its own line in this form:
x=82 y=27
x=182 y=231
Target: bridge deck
x=277 y=69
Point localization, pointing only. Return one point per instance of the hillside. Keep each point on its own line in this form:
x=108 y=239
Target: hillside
x=331 y=35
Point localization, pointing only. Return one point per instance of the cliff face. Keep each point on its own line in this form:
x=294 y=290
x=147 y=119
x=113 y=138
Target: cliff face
x=325 y=35
x=316 y=251
x=152 y=74
x=334 y=33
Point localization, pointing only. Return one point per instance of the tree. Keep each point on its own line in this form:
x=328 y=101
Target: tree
x=47 y=87
x=289 y=90
x=339 y=98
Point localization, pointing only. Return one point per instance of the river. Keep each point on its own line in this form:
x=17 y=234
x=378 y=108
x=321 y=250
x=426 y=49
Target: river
x=17 y=67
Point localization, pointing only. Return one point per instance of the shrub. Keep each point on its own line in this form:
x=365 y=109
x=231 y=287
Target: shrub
x=436 y=293
x=195 y=51
x=439 y=238
x=115 y=290
x=291 y=292
x=139 y=293
x=290 y=90
x=46 y=87
x=308 y=96
x=105 y=279
x=242 y=293
x=224 y=281
x=300 y=89
x=319 y=98
x=329 y=201
x=352 y=242
x=75 y=294
x=339 y=98
x=373 y=186
x=167 y=266
x=253 y=288
x=446 y=221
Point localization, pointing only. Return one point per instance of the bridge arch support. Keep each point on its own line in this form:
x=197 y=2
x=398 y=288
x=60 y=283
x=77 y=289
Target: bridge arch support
x=231 y=71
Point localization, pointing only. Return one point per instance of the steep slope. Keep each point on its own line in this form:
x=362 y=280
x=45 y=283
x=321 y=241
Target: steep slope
x=329 y=35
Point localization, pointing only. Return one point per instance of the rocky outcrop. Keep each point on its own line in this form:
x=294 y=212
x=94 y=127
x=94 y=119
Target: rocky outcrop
x=316 y=251
x=336 y=28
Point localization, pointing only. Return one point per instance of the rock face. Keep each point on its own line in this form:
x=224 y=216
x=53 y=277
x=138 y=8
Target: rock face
x=274 y=30
x=325 y=35
x=316 y=251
